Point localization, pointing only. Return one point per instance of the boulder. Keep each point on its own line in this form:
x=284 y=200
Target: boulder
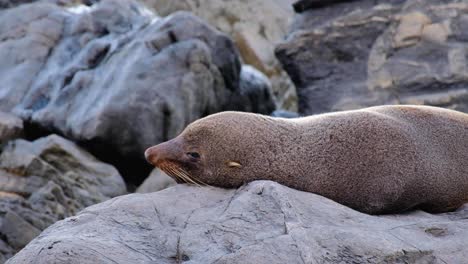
x=114 y=77
x=285 y=114
x=156 y=181
x=11 y=127
x=44 y=181
x=421 y=57
x=256 y=26
x=262 y=222
x=363 y=53
x=255 y=90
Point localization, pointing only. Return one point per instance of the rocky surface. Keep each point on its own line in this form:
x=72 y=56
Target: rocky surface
x=256 y=26
x=362 y=53
x=11 y=127
x=262 y=222
x=44 y=181
x=156 y=181
x=116 y=78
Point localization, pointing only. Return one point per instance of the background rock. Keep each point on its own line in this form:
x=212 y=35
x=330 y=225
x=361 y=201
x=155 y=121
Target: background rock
x=421 y=57
x=326 y=54
x=284 y=114
x=11 y=127
x=255 y=26
x=44 y=181
x=156 y=181
x=364 y=53
x=255 y=92
x=262 y=222
x=115 y=78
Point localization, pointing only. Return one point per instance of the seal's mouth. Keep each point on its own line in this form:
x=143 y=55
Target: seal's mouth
x=179 y=174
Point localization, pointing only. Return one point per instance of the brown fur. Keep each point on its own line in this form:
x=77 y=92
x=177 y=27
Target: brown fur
x=383 y=159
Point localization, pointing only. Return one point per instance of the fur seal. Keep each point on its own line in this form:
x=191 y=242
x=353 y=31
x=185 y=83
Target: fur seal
x=377 y=160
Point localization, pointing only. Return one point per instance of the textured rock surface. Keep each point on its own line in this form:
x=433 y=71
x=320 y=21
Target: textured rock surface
x=114 y=77
x=262 y=222
x=156 y=181
x=11 y=127
x=255 y=25
x=364 y=53
x=44 y=181
x=255 y=91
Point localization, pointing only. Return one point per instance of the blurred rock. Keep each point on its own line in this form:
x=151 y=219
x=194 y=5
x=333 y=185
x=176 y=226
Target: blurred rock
x=12 y=3
x=327 y=53
x=284 y=114
x=11 y=127
x=255 y=91
x=114 y=77
x=364 y=53
x=421 y=57
x=262 y=222
x=44 y=181
x=4 y=4
x=155 y=182
x=255 y=25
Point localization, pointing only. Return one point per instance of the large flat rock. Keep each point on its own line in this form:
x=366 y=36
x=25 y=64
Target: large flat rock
x=262 y=222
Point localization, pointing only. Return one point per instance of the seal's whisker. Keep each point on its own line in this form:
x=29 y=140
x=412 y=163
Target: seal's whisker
x=188 y=178
x=186 y=175
x=179 y=173
x=167 y=169
x=198 y=181
x=175 y=174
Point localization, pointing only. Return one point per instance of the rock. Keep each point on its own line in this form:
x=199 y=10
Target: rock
x=12 y=3
x=303 y=5
x=44 y=181
x=365 y=53
x=255 y=91
x=11 y=127
x=284 y=114
x=327 y=53
x=262 y=222
x=255 y=26
x=4 y=4
x=114 y=77
x=155 y=182
x=420 y=58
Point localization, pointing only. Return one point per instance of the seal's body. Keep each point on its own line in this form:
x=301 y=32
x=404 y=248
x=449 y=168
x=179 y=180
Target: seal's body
x=383 y=159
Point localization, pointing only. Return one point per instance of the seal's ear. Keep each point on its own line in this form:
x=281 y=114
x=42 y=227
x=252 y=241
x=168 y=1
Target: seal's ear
x=233 y=164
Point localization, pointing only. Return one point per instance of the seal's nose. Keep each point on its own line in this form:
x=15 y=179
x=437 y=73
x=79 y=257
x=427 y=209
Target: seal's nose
x=151 y=155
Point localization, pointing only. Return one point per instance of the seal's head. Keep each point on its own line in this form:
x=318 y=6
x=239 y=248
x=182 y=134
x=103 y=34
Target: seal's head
x=210 y=151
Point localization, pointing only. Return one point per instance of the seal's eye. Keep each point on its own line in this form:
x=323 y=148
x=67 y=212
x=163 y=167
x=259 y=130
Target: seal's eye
x=193 y=155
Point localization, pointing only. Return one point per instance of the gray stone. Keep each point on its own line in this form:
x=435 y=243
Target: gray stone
x=262 y=222
x=47 y=180
x=17 y=231
x=255 y=26
x=362 y=53
x=327 y=52
x=156 y=181
x=255 y=90
x=11 y=127
x=284 y=114
x=114 y=77
x=421 y=57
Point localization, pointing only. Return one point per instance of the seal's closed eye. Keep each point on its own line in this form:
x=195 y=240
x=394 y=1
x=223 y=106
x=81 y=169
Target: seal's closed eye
x=194 y=155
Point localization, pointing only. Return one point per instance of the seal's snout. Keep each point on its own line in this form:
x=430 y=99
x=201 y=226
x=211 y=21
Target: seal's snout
x=151 y=155
x=164 y=151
